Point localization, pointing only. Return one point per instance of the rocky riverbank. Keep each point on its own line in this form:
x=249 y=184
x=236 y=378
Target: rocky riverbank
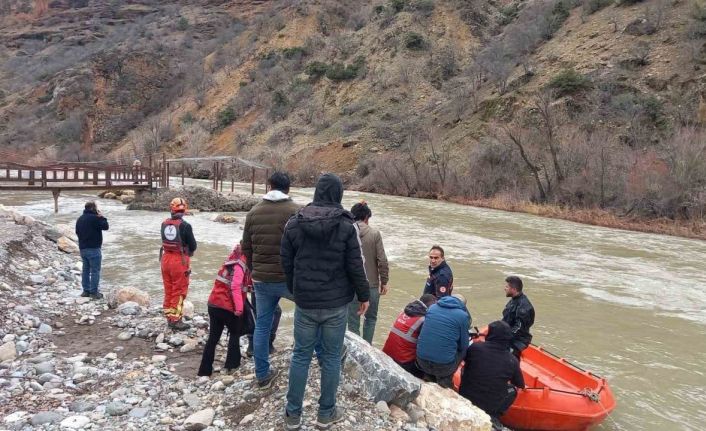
x=67 y=362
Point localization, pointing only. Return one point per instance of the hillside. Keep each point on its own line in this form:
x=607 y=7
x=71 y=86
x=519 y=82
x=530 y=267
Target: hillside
x=585 y=103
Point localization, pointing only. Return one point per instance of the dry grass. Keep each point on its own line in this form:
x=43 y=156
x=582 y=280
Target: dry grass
x=595 y=216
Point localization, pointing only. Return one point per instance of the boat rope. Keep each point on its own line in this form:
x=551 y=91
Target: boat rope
x=590 y=394
x=586 y=392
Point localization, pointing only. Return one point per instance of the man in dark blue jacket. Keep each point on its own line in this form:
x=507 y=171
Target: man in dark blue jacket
x=89 y=230
x=441 y=280
x=444 y=338
x=323 y=265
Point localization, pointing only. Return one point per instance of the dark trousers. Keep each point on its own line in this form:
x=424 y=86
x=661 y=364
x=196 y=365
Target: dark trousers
x=442 y=374
x=219 y=319
x=412 y=368
x=506 y=402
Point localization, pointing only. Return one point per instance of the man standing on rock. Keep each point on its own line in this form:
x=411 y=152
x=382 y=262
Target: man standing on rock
x=323 y=263
x=262 y=238
x=375 y=266
x=89 y=230
x=178 y=245
x=441 y=280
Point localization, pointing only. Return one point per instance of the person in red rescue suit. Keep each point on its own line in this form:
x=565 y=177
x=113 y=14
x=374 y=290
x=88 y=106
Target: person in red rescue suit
x=226 y=306
x=178 y=245
x=401 y=343
x=441 y=279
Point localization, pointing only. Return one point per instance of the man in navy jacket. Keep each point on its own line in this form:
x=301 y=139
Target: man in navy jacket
x=89 y=230
x=444 y=338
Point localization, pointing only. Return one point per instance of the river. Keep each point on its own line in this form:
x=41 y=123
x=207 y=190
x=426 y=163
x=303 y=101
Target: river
x=628 y=306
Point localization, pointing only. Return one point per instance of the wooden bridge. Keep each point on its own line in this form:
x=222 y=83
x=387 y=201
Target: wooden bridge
x=60 y=177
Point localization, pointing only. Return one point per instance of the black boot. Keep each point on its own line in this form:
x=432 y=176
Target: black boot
x=179 y=325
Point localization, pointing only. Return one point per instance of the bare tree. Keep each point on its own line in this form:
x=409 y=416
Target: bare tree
x=547 y=115
x=518 y=137
x=440 y=156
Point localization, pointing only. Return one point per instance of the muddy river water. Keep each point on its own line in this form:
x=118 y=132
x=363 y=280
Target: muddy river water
x=628 y=306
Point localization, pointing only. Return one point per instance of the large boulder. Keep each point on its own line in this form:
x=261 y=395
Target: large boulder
x=445 y=410
x=67 y=246
x=199 y=198
x=225 y=218
x=379 y=377
x=128 y=294
x=126 y=199
x=67 y=231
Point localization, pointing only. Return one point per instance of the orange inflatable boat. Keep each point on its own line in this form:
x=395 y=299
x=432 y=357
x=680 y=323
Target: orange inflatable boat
x=558 y=395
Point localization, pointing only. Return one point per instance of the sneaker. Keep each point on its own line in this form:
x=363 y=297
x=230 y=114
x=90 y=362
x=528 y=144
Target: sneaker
x=266 y=383
x=85 y=294
x=96 y=295
x=230 y=371
x=179 y=325
x=292 y=422
x=272 y=349
x=249 y=352
x=496 y=424
x=326 y=422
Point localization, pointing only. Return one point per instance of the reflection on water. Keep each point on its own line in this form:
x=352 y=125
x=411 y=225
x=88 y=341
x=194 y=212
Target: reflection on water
x=629 y=306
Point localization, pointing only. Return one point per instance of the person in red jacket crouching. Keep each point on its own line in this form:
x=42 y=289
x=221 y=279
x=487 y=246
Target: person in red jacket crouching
x=401 y=344
x=226 y=306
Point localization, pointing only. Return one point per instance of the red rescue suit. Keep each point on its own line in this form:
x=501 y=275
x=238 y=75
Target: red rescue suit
x=401 y=344
x=175 y=262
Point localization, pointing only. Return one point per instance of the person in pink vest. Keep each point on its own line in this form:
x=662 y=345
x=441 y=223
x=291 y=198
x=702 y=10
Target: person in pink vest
x=226 y=306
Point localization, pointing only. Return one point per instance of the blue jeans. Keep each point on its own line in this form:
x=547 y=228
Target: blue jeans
x=371 y=316
x=91 y=275
x=327 y=326
x=267 y=296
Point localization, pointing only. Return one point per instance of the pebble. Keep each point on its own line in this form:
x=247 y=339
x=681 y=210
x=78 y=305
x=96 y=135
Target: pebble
x=44 y=329
x=124 y=336
x=158 y=358
x=247 y=419
x=42 y=418
x=44 y=367
x=80 y=406
x=75 y=422
x=382 y=408
x=139 y=412
x=116 y=408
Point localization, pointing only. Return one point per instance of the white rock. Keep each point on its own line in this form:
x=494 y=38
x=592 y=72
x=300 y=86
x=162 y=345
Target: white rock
x=158 y=358
x=8 y=351
x=19 y=416
x=199 y=420
x=448 y=411
x=75 y=422
x=44 y=329
x=247 y=419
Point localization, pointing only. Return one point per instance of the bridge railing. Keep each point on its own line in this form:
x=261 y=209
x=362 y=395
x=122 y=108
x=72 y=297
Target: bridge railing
x=52 y=175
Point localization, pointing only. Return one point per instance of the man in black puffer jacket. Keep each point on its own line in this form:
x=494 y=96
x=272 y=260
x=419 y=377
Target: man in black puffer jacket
x=491 y=374
x=323 y=265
